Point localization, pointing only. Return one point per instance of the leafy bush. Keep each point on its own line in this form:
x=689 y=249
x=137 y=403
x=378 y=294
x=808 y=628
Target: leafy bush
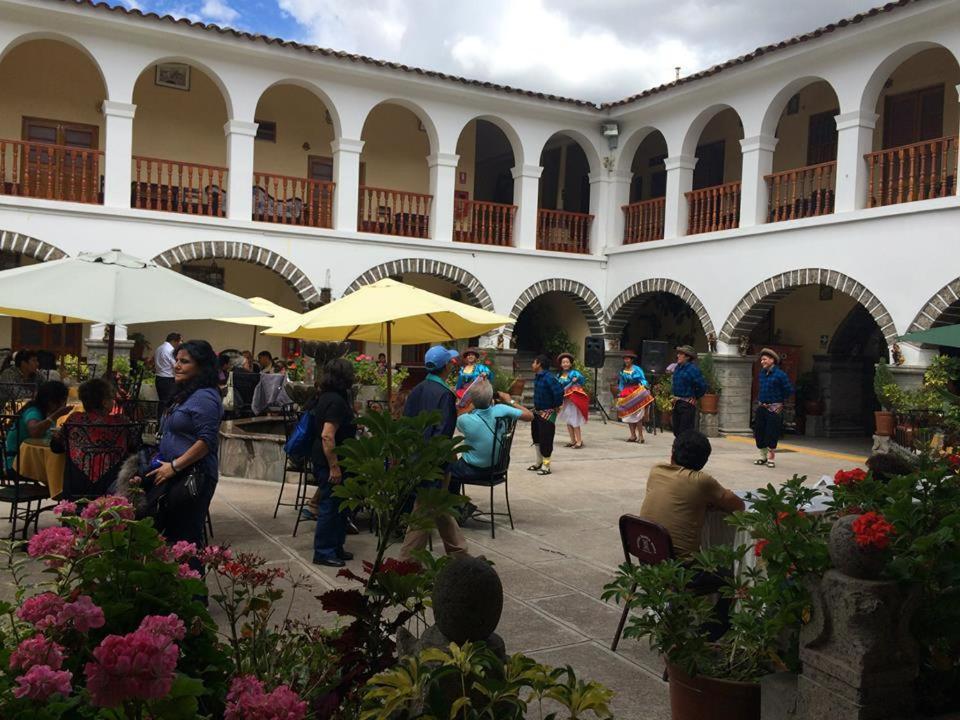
x=709 y=370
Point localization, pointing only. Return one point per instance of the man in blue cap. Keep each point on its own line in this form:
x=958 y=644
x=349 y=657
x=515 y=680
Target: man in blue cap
x=430 y=395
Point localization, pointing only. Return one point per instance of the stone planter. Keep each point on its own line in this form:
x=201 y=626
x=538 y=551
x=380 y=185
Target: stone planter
x=367 y=393
x=706 y=698
x=709 y=403
x=848 y=557
x=148 y=393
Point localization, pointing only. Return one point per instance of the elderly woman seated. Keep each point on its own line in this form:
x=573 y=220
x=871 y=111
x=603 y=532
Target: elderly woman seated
x=479 y=430
x=95 y=441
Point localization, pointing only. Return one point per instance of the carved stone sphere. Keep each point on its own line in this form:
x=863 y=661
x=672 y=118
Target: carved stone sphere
x=848 y=557
x=467 y=600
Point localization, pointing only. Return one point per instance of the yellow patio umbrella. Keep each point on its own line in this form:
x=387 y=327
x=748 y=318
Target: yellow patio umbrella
x=279 y=315
x=395 y=312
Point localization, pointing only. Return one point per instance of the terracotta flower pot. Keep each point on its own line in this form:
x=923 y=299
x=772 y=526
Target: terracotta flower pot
x=665 y=416
x=885 y=423
x=708 y=403
x=706 y=698
x=516 y=388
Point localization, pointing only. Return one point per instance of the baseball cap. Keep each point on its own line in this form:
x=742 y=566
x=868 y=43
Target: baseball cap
x=438 y=356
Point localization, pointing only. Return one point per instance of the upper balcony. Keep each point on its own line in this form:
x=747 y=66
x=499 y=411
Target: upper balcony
x=410 y=169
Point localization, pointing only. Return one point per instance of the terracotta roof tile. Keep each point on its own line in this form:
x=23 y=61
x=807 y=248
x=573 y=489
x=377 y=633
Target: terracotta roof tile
x=386 y=64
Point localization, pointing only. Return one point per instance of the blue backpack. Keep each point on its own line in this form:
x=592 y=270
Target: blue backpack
x=301 y=439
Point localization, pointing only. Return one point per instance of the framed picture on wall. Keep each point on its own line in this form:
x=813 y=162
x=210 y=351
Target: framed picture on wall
x=173 y=75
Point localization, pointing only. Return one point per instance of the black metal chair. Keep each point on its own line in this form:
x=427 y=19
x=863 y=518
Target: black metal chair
x=16 y=490
x=244 y=383
x=504 y=431
x=291 y=463
x=14 y=396
x=103 y=447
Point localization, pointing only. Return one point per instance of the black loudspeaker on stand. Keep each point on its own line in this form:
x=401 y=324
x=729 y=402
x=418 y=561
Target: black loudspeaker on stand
x=594 y=357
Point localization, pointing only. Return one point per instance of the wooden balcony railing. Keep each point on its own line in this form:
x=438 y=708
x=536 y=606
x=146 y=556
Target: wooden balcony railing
x=713 y=208
x=920 y=171
x=643 y=221
x=180 y=187
x=802 y=192
x=484 y=223
x=51 y=172
x=563 y=231
x=292 y=200
x=394 y=212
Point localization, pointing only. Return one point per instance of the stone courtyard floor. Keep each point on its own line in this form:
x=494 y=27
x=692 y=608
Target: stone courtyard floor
x=554 y=564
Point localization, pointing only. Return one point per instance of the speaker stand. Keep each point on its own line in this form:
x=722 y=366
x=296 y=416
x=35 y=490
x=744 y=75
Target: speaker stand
x=595 y=400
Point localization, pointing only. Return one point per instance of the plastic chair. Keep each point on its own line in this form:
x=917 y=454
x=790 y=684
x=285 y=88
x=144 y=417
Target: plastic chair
x=646 y=542
x=499 y=471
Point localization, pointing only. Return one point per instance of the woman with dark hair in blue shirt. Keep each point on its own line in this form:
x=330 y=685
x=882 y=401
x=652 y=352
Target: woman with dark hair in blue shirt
x=190 y=439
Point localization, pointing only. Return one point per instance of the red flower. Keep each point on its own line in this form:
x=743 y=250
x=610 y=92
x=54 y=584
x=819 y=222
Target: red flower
x=871 y=530
x=781 y=516
x=848 y=477
x=400 y=567
x=759 y=546
x=954 y=461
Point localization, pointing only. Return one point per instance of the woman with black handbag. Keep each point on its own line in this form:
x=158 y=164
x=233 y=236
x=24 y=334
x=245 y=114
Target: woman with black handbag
x=185 y=472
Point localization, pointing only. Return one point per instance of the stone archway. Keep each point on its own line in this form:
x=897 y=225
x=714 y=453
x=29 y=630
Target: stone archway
x=245 y=252
x=473 y=288
x=624 y=304
x=584 y=298
x=14 y=242
x=754 y=306
x=945 y=302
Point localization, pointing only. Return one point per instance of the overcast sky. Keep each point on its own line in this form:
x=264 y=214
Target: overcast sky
x=588 y=49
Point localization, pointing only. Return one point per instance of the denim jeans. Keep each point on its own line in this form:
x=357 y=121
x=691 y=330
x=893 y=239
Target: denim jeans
x=331 y=530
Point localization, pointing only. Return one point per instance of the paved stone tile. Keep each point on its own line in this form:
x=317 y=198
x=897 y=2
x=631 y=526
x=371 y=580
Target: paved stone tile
x=523 y=629
x=587 y=616
x=583 y=576
x=523 y=583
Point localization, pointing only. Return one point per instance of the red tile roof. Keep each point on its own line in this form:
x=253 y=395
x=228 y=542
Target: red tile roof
x=386 y=64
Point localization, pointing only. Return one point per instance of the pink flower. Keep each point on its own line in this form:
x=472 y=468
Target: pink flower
x=42 y=610
x=183 y=550
x=116 y=503
x=65 y=507
x=215 y=554
x=42 y=681
x=37 y=650
x=136 y=666
x=169 y=626
x=55 y=541
x=187 y=573
x=248 y=701
x=82 y=613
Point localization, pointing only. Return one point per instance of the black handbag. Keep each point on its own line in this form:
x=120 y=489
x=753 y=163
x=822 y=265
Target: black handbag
x=176 y=493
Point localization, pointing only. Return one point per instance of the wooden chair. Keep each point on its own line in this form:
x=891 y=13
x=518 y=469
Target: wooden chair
x=646 y=542
x=504 y=431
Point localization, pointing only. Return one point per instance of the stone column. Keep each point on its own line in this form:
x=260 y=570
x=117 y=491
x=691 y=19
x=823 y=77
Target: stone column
x=346 y=175
x=118 y=153
x=757 y=163
x=526 y=196
x=443 y=181
x=679 y=181
x=240 y=135
x=96 y=343
x=854 y=140
x=735 y=375
x=859 y=659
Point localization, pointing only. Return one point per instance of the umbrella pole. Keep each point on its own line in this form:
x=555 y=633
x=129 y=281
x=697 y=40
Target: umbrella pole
x=111 y=331
x=389 y=365
x=253 y=347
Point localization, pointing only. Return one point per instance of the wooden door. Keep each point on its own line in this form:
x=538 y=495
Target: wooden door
x=708 y=171
x=57 y=338
x=822 y=138
x=912 y=117
x=56 y=173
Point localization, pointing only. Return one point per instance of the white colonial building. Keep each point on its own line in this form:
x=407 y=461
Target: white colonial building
x=804 y=195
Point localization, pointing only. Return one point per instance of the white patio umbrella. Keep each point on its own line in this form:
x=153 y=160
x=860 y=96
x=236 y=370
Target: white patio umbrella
x=115 y=289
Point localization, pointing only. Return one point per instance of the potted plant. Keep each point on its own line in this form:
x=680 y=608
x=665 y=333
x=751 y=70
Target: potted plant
x=710 y=400
x=808 y=394
x=663 y=398
x=715 y=671
x=886 y=390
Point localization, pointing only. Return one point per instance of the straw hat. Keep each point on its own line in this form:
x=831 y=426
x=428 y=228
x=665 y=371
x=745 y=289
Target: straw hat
x=471 y=351
x=772 y=354
x=631 y=354
x=563 y=355
x=688 y=351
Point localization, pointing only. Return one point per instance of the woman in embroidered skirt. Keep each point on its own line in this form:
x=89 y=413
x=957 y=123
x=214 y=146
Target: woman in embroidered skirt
x=634 y=397
x=576 y=402
x=471 y=371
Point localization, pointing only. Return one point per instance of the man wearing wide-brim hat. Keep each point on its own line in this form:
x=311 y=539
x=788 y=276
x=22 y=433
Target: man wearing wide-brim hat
x=689 y=385
x=774 y=390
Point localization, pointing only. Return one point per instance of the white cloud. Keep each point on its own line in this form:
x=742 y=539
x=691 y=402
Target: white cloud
x=218 y=11
x=355 y=26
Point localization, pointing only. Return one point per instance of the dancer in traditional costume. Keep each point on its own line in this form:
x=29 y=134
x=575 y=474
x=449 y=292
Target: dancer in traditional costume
x=775 y=389
x=688 y=386
x=634 y=396
x=576 y=402
x=471 y=371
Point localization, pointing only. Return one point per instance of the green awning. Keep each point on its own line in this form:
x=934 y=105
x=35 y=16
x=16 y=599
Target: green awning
x=946 y=336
